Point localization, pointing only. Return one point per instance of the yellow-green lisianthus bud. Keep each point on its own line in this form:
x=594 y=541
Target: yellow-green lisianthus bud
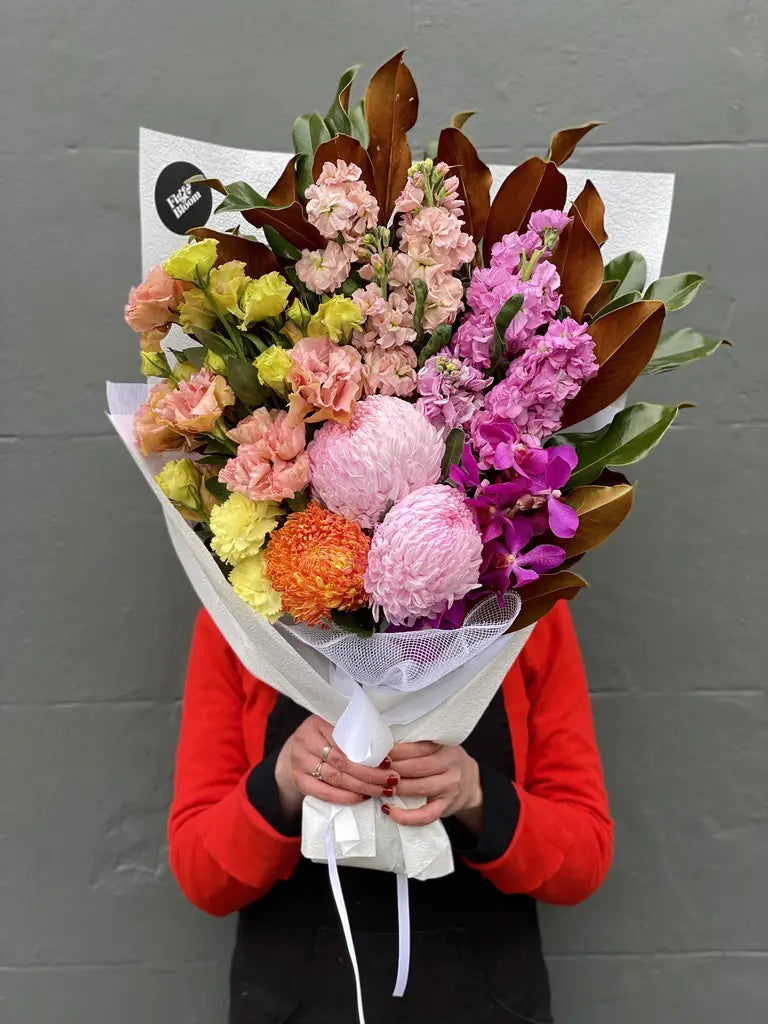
x=155 y=364
x=183 y=371
x=336 y=318
x=266 y=296
x=192 y=262
x=195 y=312
x=298 y=314
x=240 y=526
x=291 y=332
x=226 y=284
x=180 y=483
x=250 y=581
x=273 y=366
x=215 y=363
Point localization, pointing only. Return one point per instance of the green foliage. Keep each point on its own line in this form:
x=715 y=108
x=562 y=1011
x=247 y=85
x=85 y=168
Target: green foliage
x=676 y=348
x=309 y=130
x=439 y=339
x=675 y=291
x=454 y=446
x=629 y=271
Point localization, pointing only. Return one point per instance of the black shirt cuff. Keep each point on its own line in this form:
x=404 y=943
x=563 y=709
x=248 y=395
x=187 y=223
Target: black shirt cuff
x=501 y=811
x=264 y=795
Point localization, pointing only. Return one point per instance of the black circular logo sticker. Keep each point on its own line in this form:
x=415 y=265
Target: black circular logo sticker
x=181 y=206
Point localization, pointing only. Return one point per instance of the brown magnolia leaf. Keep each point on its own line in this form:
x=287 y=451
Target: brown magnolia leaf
x=256 y=256
x=592 y=209
x=564 y=142
x=344 y=147
x=533 y=185
x=474 y=178
x=600 y=511
x=601 y=298
x=290 y=222
x=460 y=119
x=579 y=264
x=624 y=343
x=391 y=107
x=284 y=191
x=213 y=183
x=543 y=594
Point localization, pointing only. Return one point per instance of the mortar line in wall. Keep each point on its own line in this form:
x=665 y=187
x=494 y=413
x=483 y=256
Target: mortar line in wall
x=70 y=705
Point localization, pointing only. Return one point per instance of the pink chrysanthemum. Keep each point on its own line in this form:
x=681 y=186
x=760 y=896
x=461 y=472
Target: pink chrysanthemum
x=388 y=450
x=424 y=556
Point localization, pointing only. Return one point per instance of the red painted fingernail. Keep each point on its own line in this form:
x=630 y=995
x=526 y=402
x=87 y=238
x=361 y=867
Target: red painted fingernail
x=393 y=780
x=389 y=791
x=385 y=808
x=386 y=763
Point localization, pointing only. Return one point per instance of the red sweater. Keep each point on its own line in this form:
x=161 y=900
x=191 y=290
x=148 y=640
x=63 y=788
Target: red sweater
x=225 y=854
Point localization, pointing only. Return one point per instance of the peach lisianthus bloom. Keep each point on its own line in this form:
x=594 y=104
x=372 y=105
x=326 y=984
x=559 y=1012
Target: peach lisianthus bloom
x=152 y=306
x=326 y=379
x=195 y=407
x=271 y=463
x=152 y=433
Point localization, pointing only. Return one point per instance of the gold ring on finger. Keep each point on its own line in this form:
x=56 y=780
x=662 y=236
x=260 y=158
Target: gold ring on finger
x=326 y=751
x=318 y=771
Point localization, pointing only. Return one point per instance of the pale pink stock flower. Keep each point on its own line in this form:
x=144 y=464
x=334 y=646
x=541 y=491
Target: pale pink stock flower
x=271 y=463
x=152 y=433
x=390 y=371
x=387 y=450
x=340 y=203
x=152 y=306
x=434 y=235
x=424 y=556
x=196 y=405
x=326 y=379
x=444 y=298
x=323 y=270
x=329 y=210
x=388 y=322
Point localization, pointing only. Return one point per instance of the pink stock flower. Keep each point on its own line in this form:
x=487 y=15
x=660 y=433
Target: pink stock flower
x=424 y=556
x=388 y=322
x=548 y=220
x=387 y=450
x=389 y=371
x=271 y=463
x=326 y=379
x=152 y=433
x=195 y=407
x=411 y=198
x=434 y=236
x=340 y=203
x=444 y=298
x=323 y=270
x=506 y=253
x=152 y=306
x=473 y=340
x=450 y=391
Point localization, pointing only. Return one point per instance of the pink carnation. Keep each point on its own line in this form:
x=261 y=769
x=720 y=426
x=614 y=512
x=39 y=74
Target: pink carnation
x=326 y=380
x=424 y=556
x=323 y=270
x=387 y=451
x=390 y=371
x=152 y=306
x=196 y=405
x=271 y=463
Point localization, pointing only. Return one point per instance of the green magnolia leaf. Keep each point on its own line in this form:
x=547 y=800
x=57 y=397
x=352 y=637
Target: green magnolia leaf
x=439 y=339
x=240 y=196
x=461 y=117
x=629 y=437
x=193 y=356
x=504 y=318
x=309 y=130
x=629 y=269
x=359 y=124
x=244 y=381
x=214 y=342
x=218 y=490
x=675 y=291
x=279 y=246
x=337 y=119
x=430 y=150
x=299 y=501
x=454 y=446
x=211 y=460
x=420 y=296
x=676 y=348
x=617 y=303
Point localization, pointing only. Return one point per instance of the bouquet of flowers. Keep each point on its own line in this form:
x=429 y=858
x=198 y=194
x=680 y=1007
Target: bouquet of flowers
x=376 y=434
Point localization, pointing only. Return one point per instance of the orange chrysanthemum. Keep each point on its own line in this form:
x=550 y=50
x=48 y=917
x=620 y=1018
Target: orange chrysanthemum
x=317 y=560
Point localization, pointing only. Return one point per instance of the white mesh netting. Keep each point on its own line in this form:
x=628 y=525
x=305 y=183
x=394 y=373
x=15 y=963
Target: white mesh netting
x=411 y=661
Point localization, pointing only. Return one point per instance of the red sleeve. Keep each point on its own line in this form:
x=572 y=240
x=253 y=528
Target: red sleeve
x=563 y=844
x=223 y=852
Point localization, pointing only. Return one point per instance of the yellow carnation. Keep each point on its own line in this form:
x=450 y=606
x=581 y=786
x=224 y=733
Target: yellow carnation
x=240 y=526
x=266 y=296
x=195 y=312
x=180 y=483
x=336 y=318
x=250 y=581
x=192 y=262
x=273 y=366
x=227 y=284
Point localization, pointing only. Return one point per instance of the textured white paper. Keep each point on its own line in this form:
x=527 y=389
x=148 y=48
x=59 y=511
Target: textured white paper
x=638 y=205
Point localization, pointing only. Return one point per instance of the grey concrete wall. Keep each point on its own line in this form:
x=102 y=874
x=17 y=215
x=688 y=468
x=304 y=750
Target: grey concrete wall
x=96 y=615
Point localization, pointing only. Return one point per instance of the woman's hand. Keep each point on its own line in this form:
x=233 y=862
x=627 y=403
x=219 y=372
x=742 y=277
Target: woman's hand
x=447 y=776
x=340 y=780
